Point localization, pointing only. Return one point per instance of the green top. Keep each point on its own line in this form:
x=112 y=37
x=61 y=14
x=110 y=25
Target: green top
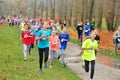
x=89 y=55
x=92 y=23
x=58 y=28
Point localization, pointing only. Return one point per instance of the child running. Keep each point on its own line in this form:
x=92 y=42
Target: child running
x=26 y=40
x=54 y=46
x=43 y=45
x=64 y=38
x=89 y=46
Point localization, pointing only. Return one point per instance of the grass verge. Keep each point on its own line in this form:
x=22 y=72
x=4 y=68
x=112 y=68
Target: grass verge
x=13 y=67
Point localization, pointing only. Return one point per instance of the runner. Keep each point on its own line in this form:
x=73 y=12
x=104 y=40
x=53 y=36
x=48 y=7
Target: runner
x=26 y=40
x=80 y=31
x=87 y=29
x=54 y=46
x=89 y=46
x=43 y=45
x=64 y=38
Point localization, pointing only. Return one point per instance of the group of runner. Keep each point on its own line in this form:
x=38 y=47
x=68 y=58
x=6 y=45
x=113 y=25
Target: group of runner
x=89 y=45
x=51 y=37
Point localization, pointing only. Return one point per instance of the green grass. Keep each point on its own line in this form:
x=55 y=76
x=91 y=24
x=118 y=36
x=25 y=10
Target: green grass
x=104 y=25
x=75 y=41
x=13 y=67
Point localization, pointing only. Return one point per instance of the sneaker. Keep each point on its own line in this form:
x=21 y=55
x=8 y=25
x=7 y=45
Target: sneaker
x=29 y=53
x=83 y=66
x=40 y=71
x=59 y=57
x=64 y=65
x=46 y=65
x=51 y=66
x=25 y=59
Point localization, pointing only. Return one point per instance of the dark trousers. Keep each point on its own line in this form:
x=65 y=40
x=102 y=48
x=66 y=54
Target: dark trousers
x=46 y=54
x=80 y=37
x=31 y=47
x=92 y=67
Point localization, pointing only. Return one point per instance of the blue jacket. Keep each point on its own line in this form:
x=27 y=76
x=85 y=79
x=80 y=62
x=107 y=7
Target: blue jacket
x=87 y=30
x=63 y=44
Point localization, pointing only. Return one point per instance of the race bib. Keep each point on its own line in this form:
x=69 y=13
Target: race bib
x=118 y=40
x=54 y=42
x=62 y=40
x=44 y=38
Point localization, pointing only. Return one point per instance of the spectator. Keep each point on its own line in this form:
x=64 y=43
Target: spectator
x=80 y=31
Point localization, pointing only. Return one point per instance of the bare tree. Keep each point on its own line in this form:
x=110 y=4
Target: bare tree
x=91 y=9
x=41 y=8
x=66 y=10
x=82 y=12
x=100 y=16
x=46 y=8
x=76 y=11
x=111 y=15
x=35 y=5
x=71 y=9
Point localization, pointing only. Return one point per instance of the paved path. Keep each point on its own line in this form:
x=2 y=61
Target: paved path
x=102 y=72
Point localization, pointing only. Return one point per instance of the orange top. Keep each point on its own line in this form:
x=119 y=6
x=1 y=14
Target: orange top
x=54 y=43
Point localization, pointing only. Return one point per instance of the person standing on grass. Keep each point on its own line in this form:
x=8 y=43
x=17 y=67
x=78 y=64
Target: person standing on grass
x=80 y=31
x=54 y=46
x=64 y=38
x=89 y=46
x=26 y=40
x=43 y=45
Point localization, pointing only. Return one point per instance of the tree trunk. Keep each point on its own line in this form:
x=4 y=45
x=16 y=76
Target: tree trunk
x=91 y=9
x=82 y=14
x=76 y=16
x=42 y=7
x=46 y=9
x=35 y=9
x=110 y=19
x=53 y=16
x=99 y=25
x=65 y=15
x=70 y=19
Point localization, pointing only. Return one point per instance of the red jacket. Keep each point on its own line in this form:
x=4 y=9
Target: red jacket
x=26 y=39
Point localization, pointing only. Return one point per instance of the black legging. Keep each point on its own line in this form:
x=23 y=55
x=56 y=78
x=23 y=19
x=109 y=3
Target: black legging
x=46 y=54
x=92 y=67
x=31 y=46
